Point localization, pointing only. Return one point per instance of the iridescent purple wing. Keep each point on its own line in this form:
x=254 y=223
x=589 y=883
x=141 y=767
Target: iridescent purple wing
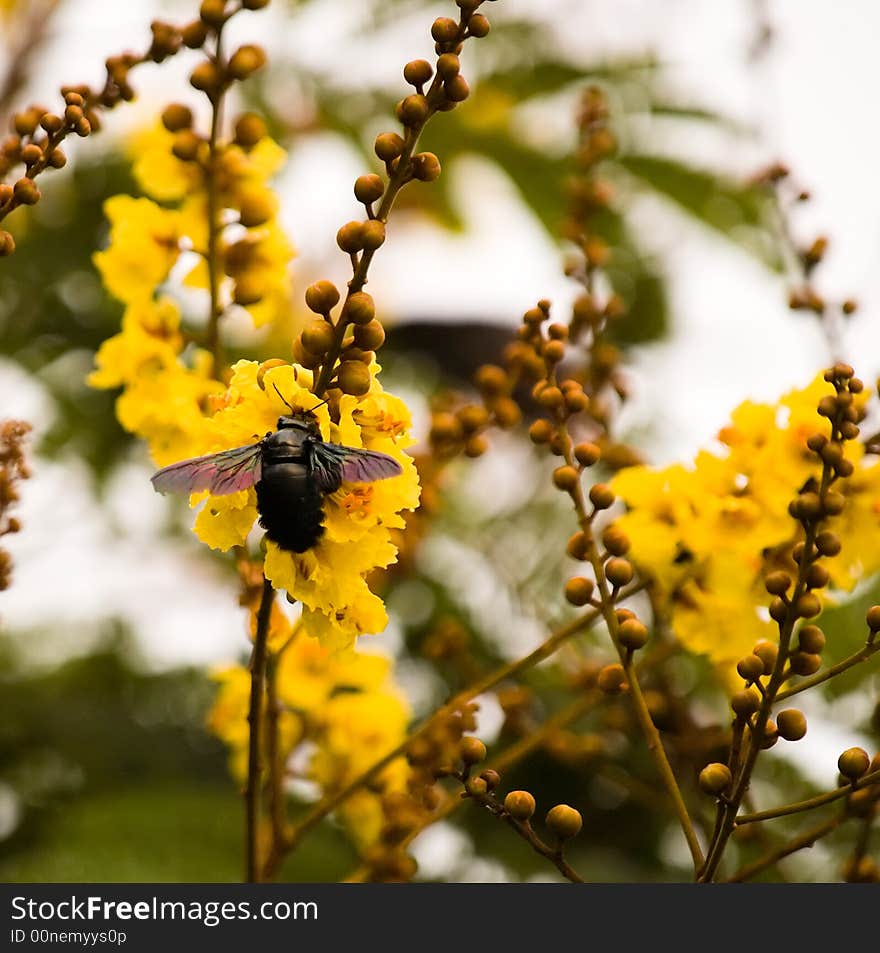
x=220 y=473
x=332 y=463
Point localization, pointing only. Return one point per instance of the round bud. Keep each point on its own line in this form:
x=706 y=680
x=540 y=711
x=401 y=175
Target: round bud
x=633 y=634
x=57 y=159
x=750 y=668
x=475 y=446
x=369 y=188
x=578 y=590
x=317 y=337
x=564 y=821
x=444 y=30
x=256 y=207
x=31 y=153
x=715 y=778
x=550 y=397
x=354 y=378
x=601 y=496
x=185 y=145
x=359 y=309
x=791 y=724
x=811 y=639
x=745 y=703
x=778 y=609
x=472 y=418
x=767 y=652
x=213 y=12
x=369 y=337
x=418 y=72
x=372 y=235
x=491 y=777
x=587 y=454
x=26 y=191
x=7 y=244
x=817 y=576
x=176 y=116
x=833 y=503
x=349 y=237
x=615 y=541
x=456 y=89
x=578 y=546
x=491 y=379
x=565 y=478
x=303 y=357
x=619 y=571
x=246 y=60
x=853 y=763
x=249 y=289
x=804 y=663
x=777 y=583
x=389 y=146
x=873 y=618
x=540 y=431
x=611 y=679
x=472 y=750
x=413 y=110
x=476 y=787
x=519 y=805
x=478 y=26
x=448 y=65
x=206 y=77
x=426 y=167
x=249 y=130
x=322 y=297
x=808 y=606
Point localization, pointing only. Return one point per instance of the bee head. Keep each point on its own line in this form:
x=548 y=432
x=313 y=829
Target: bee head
x=303 y=420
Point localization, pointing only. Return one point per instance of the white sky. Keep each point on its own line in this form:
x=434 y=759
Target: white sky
x=734 y=336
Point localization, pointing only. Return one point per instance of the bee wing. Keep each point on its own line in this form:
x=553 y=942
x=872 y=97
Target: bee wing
x=332 y=463
x=221 y=473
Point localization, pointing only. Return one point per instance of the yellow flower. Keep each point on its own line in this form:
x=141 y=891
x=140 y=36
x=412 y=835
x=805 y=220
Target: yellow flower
x=144 y=245
x=708 y=534
x=329 y=579
x=158 y=172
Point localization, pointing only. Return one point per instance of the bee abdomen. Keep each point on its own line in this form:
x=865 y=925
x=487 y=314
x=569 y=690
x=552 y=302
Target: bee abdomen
x=290 y=506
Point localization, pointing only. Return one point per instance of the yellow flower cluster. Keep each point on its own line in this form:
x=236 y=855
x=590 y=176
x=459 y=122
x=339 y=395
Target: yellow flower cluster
x=329 y=579
x=344 y=708
x=708 y=534
x=167 y=379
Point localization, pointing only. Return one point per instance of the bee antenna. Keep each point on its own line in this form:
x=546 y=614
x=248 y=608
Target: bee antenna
x=278 y=392
x=321 y=404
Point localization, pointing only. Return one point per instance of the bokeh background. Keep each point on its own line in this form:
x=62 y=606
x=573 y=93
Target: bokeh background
x=116 y=615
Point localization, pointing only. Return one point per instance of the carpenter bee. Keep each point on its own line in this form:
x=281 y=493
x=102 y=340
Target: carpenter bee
x=292 y=469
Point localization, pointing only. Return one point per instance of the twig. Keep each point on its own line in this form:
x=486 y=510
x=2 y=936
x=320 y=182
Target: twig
x=807 y=839
x=862 y=655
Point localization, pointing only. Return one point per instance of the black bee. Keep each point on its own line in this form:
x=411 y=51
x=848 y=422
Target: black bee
x=292 y=470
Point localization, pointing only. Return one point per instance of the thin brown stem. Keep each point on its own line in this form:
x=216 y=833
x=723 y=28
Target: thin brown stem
x=862 y=655
x=810 y=803
x=807 y=839
x=215 y=226
x=255 y=722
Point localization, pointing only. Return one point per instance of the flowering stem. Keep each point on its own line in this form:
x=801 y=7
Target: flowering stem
x=643 y=715
x=215 y=227
x=818 y=801
x=807 y=839
x=255 y=721
x=863 y=654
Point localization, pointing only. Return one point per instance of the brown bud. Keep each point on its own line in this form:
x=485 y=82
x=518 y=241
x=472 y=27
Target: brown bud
x=372 y=235
x=750 y=668
x=808 y=606
x=249 y=289
x=491 y=379
x=540 y=431
x=246 y=60
x=456 y=89
x=564 y=821
x=853 y=763
x=194 y=34
x=7 y=244
x=256 y=207
x=389 y=146
x=777 y=583
x=418 y=72
x=828 y=543
x=619 y=572
x=611 y=679
x=176 y=116
x=317 y=337
x=349 y=237
x=472 y=418
x=715 y=778
x=249 y=130
x=633 y=634
x=804 y=663
x=578 y=546
x=519 y=805
x=565 y=478
x=478 y=26
x=444 y=30
x=413 y=110
x=448 y=65
x=601 y=496
x=206 y=77
x=472 y=750
x=817 y=576
x=359 y=309
x=369 y=188
x=791 y=724
x=185 y=145
x=426 y=167
x=369 y=337
x=26 y=191
x=587 y=454
x=615 y=541
x=354 y=378
x=767 y=652
x=578 y=590
x=213 y=12
x=746 y=702
x=811 y=639
x=872 y=617
x=322 y=297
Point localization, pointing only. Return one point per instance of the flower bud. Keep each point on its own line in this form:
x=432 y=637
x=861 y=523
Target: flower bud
x=873 y=618
x=349 y=237
x=456 y=89
x=176 y=116
x=578 y=590
x=369 y=188
x=564 y=821
x=811 y=639
x=369 y=337
x=565 y=478
x=426 y=167
x=354 y=378
x=359 y=309
x=519 y=805
x=853 y=763
x=317 y=337
x=322 y=297
x=587 y=454
x=256 y=207
x=619 y=571
x=804 y=663
x=418 y=72
x=601 y=496
x=611 y=679
x=389 y=146
x=413 y=110
x=372 y=235
x=745 y=703
x=750 y=668
x=767 y=652
x=249 y=130
x=472 y=750
x=633 y=634
x=246 y=60
x=791 y=724
x=715 y=778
